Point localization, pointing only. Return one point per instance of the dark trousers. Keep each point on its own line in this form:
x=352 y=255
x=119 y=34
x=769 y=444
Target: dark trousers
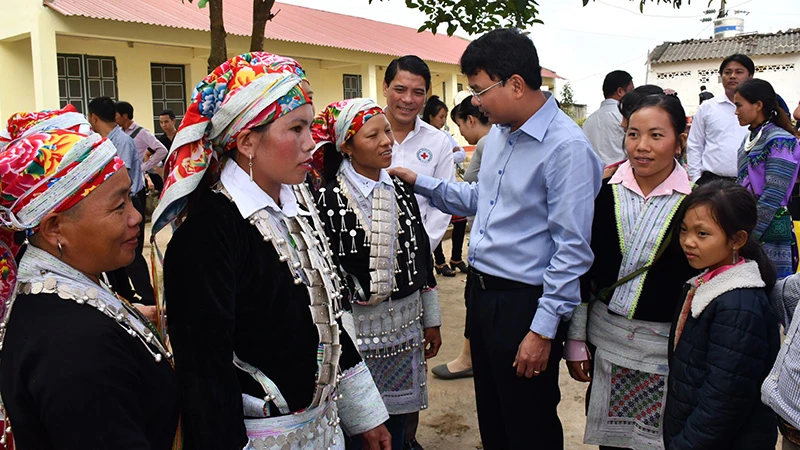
x=396 y=426
x=708 y=177
x=457 y=236
x=137 y=273
x=514 y=413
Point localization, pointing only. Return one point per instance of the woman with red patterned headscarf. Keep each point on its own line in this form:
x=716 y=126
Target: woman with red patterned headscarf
x=252 y=293
x=373 y=225
x=81 y=367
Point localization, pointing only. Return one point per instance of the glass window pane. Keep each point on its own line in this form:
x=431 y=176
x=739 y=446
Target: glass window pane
x=75 y=88
x=158 y=92
x=155 y=74
x=157 y=108
x=62 y=103
x=174 y=92
x=176 y=106
x=92 y=68
x=78 y=104
x=62 y=68
x=73 y=67
x=109 y=88
x=94 y=89
x=62 y=88
x=173 y=74
x=108 y=68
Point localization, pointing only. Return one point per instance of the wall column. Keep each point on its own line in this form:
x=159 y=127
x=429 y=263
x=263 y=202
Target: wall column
x=369 y=81
x=45 y=65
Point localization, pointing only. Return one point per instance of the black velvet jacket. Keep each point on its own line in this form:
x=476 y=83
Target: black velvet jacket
x=357 y=264
x=226 y=292
x=71 y=378
x=661 y=292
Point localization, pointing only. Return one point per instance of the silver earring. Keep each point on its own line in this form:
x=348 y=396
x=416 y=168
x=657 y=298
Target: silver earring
x=734 y=256
x=60 y=250
x=251 y=167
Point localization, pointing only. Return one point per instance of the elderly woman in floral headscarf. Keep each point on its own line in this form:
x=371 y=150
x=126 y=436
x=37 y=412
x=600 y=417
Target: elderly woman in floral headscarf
x=252 y=293
x=81 y=367
x=374 y=228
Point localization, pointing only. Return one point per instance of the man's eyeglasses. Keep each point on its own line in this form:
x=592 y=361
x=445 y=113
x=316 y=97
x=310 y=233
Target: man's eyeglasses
x=477 y=95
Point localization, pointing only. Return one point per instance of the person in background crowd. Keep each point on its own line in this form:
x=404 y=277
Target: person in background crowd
x=601 y=127
x=634 y=283
x=384 y=251
x=779 y=390
x=704 y=94
x=435 y=114
x=524 y=281
x=167 y=121
x=715 y=132
x=82 y=368
x=474 y=126
x=724 y=340
x=258 y=353
x=796 y=115
x=768 y=164
x=135 y=278
x=418 y=146
x=146 y=142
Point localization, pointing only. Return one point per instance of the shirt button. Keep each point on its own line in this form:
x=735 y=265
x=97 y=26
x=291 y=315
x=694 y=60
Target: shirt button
x=491 y=202
x=500 y=172
x=481 y=231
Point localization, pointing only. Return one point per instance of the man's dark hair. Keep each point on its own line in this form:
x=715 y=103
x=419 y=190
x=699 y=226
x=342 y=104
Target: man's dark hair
x=167 y=112
x=409 y=63
x=125 y=109
x=615 y=80
x=501 y=54
x=741 y=59
x=104 y=108
x=703 y=87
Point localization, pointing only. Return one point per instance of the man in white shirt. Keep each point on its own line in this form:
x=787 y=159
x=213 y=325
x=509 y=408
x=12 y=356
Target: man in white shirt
x=603 y=128
x=418 y=146
x=715 y=135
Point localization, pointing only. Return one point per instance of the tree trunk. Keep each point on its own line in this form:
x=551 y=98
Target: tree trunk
x=262 y=13
x=219 y=51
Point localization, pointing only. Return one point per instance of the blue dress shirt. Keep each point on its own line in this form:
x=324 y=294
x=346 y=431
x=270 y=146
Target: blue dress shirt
x=126 y=150
x=533 y=208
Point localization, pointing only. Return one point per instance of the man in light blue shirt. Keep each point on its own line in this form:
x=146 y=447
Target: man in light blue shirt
x=533 y=210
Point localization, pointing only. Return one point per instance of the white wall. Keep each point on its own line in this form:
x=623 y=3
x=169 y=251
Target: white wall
x=785 y=81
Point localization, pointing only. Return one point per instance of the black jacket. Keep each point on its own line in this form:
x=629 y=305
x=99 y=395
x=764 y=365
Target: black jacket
x=716 y=370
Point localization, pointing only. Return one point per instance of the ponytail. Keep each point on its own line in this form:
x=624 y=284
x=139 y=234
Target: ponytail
x=753 y=250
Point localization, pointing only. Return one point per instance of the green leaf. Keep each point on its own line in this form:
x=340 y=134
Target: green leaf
x=202 y=4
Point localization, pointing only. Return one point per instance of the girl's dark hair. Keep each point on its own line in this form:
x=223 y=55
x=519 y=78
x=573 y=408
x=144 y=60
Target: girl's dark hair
x=466 y=109
x=629 y=101
x=432 y=108
x=331 y=160
x=756 y=90
x=670 y=104
x=734 y=209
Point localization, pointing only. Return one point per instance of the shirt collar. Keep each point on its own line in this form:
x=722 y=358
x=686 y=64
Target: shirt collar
x=536 y=125
x=364 y=184
x=723 y=99
x=706 y=277
x=609 y=101
x=677 y=181
x=249 y=198
x=132 y=127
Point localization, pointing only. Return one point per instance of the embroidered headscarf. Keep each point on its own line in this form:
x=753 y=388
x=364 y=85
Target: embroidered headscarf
x=337 y=123
x=244 y=92
x=23 y=124
x=43 y=172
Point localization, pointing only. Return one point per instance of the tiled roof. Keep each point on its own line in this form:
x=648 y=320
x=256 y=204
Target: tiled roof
x=748 y=44
x=291 y=24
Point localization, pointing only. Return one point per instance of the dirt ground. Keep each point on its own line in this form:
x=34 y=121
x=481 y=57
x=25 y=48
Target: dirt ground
x=451 y=422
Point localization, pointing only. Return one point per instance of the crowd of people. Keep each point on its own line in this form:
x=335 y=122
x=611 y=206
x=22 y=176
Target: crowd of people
x=300 y=301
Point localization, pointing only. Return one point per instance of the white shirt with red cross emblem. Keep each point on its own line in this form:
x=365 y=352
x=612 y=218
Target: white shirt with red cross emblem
x=427 y=151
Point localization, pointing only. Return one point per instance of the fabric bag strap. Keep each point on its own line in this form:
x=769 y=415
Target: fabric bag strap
x=270 y=388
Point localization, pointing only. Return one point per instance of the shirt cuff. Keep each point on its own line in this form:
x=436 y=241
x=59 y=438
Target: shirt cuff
x=576 y=351
x=545 y=323
x=361 y=407
x=425 y=185
x=431 y=314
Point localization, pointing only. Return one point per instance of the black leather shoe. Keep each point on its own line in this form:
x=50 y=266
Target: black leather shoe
x=445 y=270
x=461 y=265
x=412 y=445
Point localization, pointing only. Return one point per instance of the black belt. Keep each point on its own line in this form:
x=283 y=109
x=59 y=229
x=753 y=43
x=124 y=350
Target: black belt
x=491 y=282
x=788 y=431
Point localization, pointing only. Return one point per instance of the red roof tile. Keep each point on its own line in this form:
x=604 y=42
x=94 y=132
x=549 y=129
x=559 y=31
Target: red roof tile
x=318 y=27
